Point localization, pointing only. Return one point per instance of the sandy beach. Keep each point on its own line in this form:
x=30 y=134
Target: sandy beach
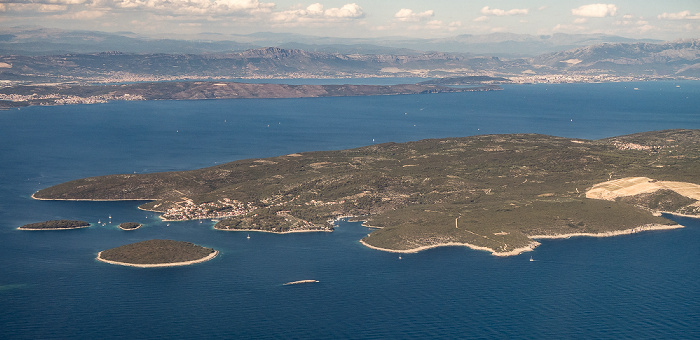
x=174 y=264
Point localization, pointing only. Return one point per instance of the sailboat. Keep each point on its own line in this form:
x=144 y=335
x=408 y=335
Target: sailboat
x=248 y=237
x=531 y=260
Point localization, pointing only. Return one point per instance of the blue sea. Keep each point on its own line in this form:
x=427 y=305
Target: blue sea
x=641 y=286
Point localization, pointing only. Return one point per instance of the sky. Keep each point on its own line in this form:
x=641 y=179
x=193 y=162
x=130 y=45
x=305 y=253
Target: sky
x=660 y=19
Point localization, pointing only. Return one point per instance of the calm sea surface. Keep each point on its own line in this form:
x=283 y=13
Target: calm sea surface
x=637 y=286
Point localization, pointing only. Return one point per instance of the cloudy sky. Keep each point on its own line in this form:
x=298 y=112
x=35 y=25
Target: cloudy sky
x=660 y=19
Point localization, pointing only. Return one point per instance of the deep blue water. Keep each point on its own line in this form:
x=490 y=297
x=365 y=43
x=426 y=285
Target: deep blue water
x=637 y=286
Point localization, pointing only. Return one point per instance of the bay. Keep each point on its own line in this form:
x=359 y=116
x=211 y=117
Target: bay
x=637 y=286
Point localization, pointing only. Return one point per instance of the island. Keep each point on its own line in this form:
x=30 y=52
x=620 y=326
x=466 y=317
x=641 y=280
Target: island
x=63 y=94
x=157 y=253
x=55 y=225
x=129 y=226
x=497 y=193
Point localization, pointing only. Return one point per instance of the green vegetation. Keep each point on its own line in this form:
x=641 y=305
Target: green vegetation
x=156 y=252
x=492 y=191
x=129 y=226
x=55 y=225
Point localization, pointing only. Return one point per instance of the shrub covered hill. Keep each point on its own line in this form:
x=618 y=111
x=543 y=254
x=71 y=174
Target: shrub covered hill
x=491 y=191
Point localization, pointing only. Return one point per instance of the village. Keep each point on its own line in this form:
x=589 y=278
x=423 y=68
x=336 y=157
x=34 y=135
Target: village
x=188 y=210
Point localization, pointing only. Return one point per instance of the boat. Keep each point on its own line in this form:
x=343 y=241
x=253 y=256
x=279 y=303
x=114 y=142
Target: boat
x=248 y=237
x=531 y=260
x=300 y=282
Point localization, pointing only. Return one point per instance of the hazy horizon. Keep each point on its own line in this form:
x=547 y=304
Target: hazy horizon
x=669 y=20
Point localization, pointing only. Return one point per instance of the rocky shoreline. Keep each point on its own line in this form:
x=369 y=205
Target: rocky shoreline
x=155 y=265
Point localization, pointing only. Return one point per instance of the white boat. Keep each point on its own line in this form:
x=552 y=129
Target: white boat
x=300 y=282
x=531 y=260
x=248 y=237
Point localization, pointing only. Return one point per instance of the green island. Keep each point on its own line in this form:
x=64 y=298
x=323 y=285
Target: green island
x=129 y=226
x=498 y=193
x=55 y=225
x=157 y=253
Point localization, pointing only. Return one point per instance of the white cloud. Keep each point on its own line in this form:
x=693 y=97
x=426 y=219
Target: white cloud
x=198 y=6
x=44 y=2
x=434 y=24
x=352 y=10
x=500 y=12
x=406 y=14
x=80 y=15
x=482 y=18
x=680 y=16
x=34 y=7
x=595 y=10
x=580 y=20
x=316 y=12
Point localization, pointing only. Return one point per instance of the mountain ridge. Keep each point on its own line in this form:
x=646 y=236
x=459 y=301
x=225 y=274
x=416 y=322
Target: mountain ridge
x=42 y=41
x=637 y=61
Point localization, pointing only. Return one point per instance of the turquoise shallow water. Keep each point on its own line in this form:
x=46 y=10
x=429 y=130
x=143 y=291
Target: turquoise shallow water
x=637 y=286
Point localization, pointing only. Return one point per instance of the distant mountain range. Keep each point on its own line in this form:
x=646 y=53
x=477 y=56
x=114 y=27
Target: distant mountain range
x=676 y=59
x=43 y=41
x=31 y=55
x=637 y=60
